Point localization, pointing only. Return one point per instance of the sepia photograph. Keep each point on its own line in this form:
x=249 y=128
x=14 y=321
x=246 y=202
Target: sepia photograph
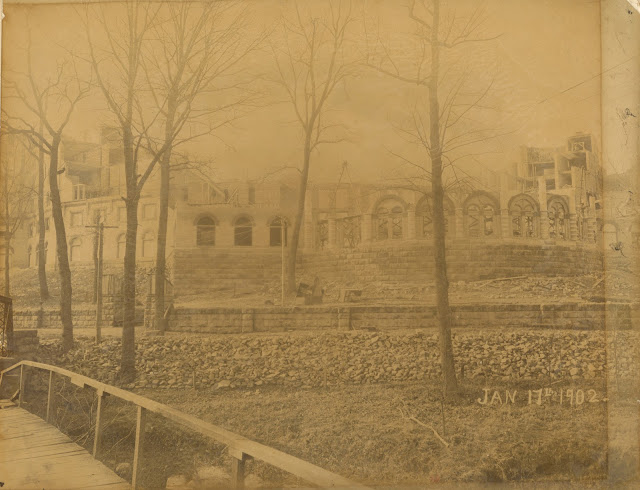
x=383 y=244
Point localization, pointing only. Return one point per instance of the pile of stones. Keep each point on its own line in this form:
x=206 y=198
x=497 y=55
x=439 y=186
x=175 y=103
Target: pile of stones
x=332 y=358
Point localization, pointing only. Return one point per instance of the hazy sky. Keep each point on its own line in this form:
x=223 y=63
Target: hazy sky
x=545 y=66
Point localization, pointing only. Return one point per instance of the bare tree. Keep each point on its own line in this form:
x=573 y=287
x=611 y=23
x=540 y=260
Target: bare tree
x=438 y=124
x=197 y=53
x=38 y=155
x=49 y=103
x=16 y=197
x=310 y=64
x=117 y=63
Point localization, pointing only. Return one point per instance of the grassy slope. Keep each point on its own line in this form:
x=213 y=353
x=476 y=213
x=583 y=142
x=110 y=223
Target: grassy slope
x=359 y=432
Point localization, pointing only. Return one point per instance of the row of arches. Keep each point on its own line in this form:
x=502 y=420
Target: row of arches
x=242 y=231
x=481 y=217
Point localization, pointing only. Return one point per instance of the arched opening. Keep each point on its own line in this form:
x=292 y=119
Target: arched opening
x=558 y=219
x=148 y=245
x=121 y=245
x=75 y=248
x=243 y=232
x=389 y=220
x=524 y=216
x=480 y=216
x=29 y=250
x=278 y=228
x=206 y=232
x=424 y=217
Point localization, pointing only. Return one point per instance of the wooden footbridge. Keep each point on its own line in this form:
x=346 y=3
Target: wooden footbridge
x=34 y=454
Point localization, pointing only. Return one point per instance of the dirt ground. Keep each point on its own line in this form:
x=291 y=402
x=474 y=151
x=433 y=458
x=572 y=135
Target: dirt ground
x=366 y=433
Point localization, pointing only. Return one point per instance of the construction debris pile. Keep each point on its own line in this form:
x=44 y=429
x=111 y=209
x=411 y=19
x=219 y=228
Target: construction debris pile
x=348 y=357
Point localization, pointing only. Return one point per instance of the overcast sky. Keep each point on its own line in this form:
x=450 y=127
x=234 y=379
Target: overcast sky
x=544 y=66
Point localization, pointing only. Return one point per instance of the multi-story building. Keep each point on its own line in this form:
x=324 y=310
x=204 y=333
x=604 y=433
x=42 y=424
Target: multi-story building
x=232 y=231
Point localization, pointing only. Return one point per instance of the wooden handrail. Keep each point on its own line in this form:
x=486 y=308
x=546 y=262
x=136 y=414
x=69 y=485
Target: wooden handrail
x=240 y=447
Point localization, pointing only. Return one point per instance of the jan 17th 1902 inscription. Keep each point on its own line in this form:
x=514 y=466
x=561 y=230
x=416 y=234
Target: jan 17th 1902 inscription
x=562 y=396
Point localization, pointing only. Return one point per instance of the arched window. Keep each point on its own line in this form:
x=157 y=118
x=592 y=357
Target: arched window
x=480 y=216
x=523 y=212
x=205 y=232
x=46 y=251
x=389 y=220
x=558 y=219
x=75 y=248
x=243 y=232
x=29 y=249
x=148 y=245
x=37 y=255
x=424 y=217
x=277 y=229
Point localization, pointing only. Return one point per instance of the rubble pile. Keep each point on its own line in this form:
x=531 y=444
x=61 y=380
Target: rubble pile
x=346 y=357
x=617 y=285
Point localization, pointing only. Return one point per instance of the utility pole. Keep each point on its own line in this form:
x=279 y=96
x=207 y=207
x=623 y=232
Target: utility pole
x=99 y=226
x=282 y=238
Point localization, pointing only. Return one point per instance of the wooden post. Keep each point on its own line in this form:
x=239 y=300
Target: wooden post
x=97 y=438
x=50 y=398
x=99 y=284
x=237 y=468
x=282 y=238
x=22 y=381
x=142 y=413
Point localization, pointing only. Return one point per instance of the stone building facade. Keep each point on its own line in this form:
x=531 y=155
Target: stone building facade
x=229 y=234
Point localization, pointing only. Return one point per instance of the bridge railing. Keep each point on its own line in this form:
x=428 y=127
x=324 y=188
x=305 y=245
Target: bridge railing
x=240 y=448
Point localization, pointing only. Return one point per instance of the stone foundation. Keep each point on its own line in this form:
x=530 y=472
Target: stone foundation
x=213 y=270
x=590 y=316
x=82 y=317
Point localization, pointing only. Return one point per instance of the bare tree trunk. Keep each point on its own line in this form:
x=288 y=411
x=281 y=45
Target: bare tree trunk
x=96 y=263
x=42 y=260
x=442 y=283
x=128 y=361
x=7 y=239
x=297 y=224
x=7 y=264
x=163 y=217
x=61 y=249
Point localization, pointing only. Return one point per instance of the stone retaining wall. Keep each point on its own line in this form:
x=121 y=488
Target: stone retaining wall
x=467 y=260
x=274 y=319
x=82 y=317
x=207 y=270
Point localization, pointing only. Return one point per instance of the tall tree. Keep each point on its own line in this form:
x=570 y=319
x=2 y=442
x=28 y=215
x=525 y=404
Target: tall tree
x=196 y=81
x=42 y=229
x=117 y=37
x=38 y=155
x=311 y=62
x=438 y=123
x=16 y=197
x=49 y=101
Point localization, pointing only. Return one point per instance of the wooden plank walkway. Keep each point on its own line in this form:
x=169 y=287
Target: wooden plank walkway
x=36 y=455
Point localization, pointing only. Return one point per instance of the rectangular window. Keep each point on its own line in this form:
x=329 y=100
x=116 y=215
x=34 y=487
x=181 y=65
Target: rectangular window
x=148 y=211
x=76 y=218
x=116 y=156
x=122 y=215
x=46 y=224
x=79 y=192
